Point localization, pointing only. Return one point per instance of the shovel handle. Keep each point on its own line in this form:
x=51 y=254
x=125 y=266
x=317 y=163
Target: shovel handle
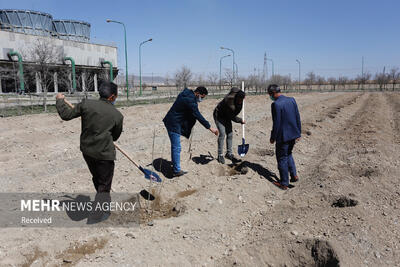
x=243 y=112
x=126 y=155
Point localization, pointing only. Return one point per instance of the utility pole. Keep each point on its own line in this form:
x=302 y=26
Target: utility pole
x=140 y=64
x=298 y=61
x=126 y=57
x=265 y=72
x=362 y=72
x=233 y=62
x=384 y=78
x=220 y=71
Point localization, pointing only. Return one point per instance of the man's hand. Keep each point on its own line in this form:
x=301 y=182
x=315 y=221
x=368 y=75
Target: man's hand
x=214 y=131
x=243 y=122
x=60 y=96
x=271 y=141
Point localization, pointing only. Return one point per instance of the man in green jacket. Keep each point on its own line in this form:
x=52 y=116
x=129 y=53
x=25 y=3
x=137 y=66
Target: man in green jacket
x=101 y=126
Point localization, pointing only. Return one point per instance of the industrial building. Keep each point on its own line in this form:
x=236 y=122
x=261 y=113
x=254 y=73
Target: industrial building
x=37 y=51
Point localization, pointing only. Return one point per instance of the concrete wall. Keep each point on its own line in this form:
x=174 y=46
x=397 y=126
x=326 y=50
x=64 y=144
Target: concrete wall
x=83 y=53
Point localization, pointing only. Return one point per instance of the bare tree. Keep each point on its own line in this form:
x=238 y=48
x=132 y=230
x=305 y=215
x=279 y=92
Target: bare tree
x=382 y=79
x=362 y=79
x=310 y=79
x=320 y=81
x=343 y=80
x=333 y=81
x=281 y=80
x=394 y=76
x=229 y=76
x=43 y=54
x=253 y=81
x=167 y=79
x=199 y=79
x=86 y=81
x=212 y=78
x=183 y=77
x=286 y=82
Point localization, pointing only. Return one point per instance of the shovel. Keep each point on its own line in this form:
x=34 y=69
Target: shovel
x=243 y=148
x=148 y=174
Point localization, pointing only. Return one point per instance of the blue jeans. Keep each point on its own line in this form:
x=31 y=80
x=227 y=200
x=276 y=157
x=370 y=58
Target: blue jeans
x=285 y=161
x=175 y=139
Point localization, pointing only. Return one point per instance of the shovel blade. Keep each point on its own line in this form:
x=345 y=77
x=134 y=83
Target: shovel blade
x=243 y=149
x=150 y=175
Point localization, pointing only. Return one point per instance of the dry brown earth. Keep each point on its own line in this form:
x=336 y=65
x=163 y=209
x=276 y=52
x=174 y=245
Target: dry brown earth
x=349 y=156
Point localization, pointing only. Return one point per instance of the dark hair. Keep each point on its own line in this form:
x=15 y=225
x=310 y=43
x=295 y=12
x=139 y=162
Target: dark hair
x=201 y=90
x=108 y=89
x=273 y=88
x=240 y=94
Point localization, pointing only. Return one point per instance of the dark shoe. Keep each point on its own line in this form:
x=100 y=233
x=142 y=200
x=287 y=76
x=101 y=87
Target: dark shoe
x=294 y=179
x=180 y=173
x=232 y=158
x=283 y=187
x=221 y=159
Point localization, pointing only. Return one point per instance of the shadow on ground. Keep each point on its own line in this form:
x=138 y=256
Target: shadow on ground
x=164 y=166
x=203 y=159
x=267 y=174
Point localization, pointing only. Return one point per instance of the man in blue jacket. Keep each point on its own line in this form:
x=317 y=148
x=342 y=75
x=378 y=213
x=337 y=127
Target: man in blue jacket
x=285 y=132
x=180 y=120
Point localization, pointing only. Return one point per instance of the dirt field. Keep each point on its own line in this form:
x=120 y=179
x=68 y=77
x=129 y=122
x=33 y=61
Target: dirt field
x=344 y=210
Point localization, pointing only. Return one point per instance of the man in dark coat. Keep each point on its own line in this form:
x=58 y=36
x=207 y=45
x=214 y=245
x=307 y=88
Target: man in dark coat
x=224 y=113
x=285 y=132
x=180 y=120
x=101 y=126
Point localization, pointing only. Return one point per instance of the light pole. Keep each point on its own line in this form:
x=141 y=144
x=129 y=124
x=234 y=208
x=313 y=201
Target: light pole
x=236 y=71
x=233 y=62
x=140 y=64
x=298 y=61
x=126 y=56
x=273 y=73
x=220 y=71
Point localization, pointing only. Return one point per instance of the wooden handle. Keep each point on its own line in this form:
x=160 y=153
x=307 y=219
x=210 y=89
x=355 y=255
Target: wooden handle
x=126 y=155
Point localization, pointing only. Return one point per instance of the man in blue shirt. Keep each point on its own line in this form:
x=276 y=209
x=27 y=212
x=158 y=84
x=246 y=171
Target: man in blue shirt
x=285 y=132
x=180 y=120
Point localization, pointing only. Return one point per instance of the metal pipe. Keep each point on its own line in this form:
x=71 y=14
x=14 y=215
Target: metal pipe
x=105 y=62
x=73 y=72
x=20 y=69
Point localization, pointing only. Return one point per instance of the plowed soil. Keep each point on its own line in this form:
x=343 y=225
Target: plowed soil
x=344 y=210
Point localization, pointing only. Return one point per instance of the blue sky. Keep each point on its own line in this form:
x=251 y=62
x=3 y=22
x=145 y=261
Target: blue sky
x=328 y=37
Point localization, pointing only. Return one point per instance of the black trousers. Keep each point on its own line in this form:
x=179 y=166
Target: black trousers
x=102 y=172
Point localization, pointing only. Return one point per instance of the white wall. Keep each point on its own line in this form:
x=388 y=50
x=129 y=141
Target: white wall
x=83 y=53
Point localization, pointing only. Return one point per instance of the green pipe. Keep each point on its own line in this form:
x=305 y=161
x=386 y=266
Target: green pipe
x=21 y=69
x=111 y=69
x=73 y=72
